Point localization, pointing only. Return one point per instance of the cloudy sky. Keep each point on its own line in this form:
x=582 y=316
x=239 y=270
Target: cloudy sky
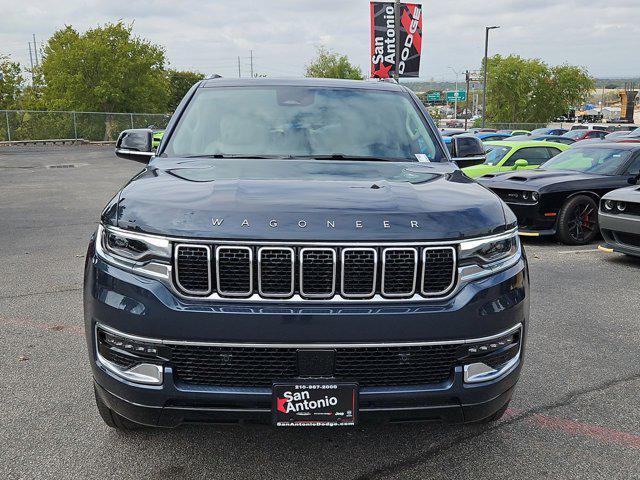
x=209 y=35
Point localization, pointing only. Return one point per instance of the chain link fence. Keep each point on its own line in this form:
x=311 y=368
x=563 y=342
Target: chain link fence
x=94 y=126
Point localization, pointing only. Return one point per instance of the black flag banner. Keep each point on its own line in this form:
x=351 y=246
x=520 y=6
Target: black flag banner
x=383 y=39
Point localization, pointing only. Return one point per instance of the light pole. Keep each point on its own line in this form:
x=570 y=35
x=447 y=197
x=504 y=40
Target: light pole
x=484 y=85
x=455 y=97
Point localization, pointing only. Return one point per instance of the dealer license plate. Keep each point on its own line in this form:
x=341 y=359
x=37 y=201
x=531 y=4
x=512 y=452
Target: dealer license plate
x=315 y=404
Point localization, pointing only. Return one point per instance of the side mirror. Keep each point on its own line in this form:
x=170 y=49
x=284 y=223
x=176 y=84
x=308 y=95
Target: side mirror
x=520 y=163
x=635 y=180
x=135 y=144
x=467 y=150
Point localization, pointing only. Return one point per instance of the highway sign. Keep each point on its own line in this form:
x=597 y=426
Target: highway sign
x=460 y=94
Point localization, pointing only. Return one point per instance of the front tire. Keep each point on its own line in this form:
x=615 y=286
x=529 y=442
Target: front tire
x=578 y=221
x=111 y=418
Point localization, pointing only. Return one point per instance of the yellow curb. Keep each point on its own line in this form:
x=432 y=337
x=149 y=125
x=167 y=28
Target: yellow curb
x=605 y=249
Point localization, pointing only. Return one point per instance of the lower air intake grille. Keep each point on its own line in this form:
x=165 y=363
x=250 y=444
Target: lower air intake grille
x=399 y=272
x=317 y=272
x=438 y=270
x=192 y=269
x=632 y=239
x=235 y=271
x=260 y=367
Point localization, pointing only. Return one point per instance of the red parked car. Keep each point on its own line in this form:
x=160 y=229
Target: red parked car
x=578 y=135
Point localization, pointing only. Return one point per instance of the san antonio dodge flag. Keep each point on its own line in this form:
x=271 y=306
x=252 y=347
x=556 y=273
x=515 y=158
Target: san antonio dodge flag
x=383 y=39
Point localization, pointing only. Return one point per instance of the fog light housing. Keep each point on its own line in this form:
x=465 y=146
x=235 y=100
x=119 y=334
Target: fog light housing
x=128 y=358
x=485 y=361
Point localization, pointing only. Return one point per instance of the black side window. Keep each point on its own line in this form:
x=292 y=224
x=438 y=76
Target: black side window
x=468 y=147
x=450 y=147
x=634 y=168
x=533 y=155
x=552 y=152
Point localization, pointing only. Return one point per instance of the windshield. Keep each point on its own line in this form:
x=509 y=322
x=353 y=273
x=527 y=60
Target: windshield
x=288 y=121
x=604 y=161
x=574 y=133
x=495 y=154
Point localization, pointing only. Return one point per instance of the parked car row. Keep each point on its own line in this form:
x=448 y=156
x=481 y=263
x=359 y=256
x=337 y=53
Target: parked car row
x=570 y=194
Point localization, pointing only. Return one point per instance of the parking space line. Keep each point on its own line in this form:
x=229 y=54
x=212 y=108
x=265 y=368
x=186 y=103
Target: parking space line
x=572 y=427
x=589 y=250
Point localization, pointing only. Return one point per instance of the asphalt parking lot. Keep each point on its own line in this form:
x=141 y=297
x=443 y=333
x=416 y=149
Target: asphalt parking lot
x=575 y=414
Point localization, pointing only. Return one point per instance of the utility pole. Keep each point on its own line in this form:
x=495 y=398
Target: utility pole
x=396 y=28
x=31 y=61
x=484 y=85
x=35 y=49
x=466 y=105
x=251 y=56
x=239 y=67
x=455 y=97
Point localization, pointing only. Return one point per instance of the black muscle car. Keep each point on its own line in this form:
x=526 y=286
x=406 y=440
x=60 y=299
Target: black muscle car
x=561 y=197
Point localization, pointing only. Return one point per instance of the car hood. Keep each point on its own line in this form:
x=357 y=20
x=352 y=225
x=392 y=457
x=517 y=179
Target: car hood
x=627 y=194
x=477 y=170
x=536 y=179
x=306 y=200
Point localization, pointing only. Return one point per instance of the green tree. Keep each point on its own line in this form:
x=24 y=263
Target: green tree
x=529 y=91
x=329 y=64
x=105 y=69
x=10 y=83
x=179 y=84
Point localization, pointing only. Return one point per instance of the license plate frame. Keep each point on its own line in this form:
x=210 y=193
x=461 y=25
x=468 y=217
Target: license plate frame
x=311 y=404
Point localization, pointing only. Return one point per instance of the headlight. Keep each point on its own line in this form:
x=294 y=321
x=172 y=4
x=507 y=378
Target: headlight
x=134 y=247
x=608 y=205
x=622 y=206
x=525 y=195
x=535 y=196
x=483 y=257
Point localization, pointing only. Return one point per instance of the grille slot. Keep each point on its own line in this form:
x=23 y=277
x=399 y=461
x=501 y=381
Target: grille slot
x=632 y=239
x=193 y=269
x=276 y=271
x=359 y=268
x=260 y=367
x=399 y=268
x=438 y=270
x=317 y=272
x=234 y=271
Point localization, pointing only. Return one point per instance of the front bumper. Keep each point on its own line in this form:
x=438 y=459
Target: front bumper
x=614 y=227
x=146 y=308
x=534 y=221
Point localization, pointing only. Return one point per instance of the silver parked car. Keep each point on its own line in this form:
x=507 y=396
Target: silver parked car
x=619 y=219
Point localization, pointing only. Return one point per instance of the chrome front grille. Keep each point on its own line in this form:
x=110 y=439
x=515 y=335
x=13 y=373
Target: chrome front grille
x=315 y=273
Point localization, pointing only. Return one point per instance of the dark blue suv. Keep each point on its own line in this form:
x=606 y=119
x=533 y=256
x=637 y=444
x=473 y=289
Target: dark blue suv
x=302 y=253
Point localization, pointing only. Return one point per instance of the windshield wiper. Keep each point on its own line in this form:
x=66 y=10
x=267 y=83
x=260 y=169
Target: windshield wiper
x=232 y=155
x=365 y=158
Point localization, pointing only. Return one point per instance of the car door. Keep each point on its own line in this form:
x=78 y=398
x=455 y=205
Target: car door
x=535 y=156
